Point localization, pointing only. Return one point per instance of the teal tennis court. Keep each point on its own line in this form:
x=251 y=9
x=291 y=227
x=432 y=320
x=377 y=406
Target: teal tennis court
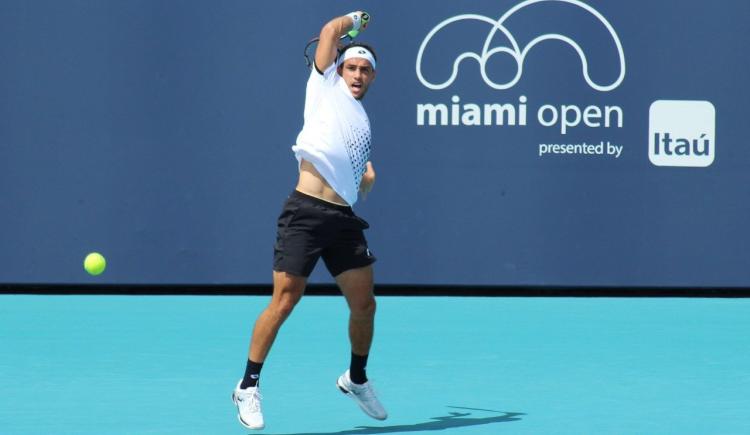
x=443 y=365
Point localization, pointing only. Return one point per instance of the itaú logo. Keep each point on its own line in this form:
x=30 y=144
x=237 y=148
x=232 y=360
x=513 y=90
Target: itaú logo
x=682 y=133
x=517 y=52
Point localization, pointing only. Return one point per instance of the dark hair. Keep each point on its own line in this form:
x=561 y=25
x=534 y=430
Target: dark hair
x=359 y=44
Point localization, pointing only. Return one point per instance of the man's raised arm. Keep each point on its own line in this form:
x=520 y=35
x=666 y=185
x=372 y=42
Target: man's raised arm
x=333 y=30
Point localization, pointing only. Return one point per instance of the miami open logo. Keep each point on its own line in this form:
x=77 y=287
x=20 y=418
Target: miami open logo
x=518 y=110
x=515 y=51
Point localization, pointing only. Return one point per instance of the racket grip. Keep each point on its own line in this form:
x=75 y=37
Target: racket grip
x=361 y=20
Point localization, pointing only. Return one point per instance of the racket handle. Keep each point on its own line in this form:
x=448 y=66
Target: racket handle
x=361 y=20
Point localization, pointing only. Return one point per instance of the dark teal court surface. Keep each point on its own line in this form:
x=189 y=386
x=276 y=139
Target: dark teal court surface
x=167 y=365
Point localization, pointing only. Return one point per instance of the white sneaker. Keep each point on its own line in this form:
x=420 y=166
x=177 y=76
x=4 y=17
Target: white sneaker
x=364 y=395
x=248 y=406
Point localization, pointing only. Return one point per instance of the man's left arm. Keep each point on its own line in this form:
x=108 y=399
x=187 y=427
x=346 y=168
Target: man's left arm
x=368 y=180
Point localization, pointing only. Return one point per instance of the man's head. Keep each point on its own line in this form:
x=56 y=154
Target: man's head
x=357 y=67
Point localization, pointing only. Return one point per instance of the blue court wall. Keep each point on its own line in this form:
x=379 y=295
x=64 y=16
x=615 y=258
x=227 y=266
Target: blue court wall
x=570 y=143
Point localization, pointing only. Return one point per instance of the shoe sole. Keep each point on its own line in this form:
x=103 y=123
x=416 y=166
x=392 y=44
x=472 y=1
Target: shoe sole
x=242 y=422
x=353 y=397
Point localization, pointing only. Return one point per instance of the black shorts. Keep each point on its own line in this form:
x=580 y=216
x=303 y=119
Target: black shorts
x=310 y=228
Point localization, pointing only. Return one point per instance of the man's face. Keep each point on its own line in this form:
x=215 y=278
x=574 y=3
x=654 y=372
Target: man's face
x=357 y=74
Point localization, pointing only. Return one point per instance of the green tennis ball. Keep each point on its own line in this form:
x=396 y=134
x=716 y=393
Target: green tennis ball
x=94 y=263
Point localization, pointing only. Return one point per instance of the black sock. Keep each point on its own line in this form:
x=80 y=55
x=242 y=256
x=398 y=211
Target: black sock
x=252 y=374
x=357 y=369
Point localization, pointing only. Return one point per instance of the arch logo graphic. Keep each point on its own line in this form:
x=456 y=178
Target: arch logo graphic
x=517 y=52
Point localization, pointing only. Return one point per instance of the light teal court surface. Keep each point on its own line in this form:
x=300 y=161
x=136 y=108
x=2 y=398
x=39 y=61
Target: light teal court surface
x=167 y=365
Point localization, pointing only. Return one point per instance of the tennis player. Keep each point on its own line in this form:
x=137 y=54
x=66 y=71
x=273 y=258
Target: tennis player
x=333 y=152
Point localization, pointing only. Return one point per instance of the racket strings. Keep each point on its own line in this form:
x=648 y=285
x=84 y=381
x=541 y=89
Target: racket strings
x=314 y=41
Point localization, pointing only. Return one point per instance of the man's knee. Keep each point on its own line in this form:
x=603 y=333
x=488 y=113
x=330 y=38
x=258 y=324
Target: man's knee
x=284 y=307
x=285 y=298
x=364 y=308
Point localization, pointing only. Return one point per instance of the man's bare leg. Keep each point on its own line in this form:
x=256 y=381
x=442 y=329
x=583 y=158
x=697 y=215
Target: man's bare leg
x=357 y=287
x=287 y=291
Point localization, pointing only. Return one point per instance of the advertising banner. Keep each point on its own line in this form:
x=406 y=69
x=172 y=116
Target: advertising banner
x=516 y=143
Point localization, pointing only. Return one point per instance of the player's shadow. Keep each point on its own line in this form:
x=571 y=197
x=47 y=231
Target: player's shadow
x=450 y=421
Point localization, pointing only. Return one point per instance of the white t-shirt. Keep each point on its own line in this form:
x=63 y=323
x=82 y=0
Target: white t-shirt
x=336 y=135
